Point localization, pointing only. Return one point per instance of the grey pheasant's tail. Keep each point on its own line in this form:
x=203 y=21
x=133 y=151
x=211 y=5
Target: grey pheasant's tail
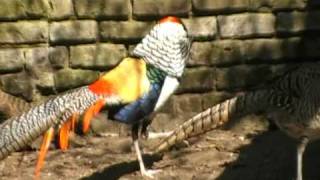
x=12 y=106
x=17 y=132
x=215 y=117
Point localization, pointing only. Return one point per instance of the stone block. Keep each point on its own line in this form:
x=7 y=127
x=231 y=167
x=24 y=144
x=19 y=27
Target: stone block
x=208 y=7
x=71 y=78
x=201 y=28
x=37 y=61
x=96 y=57
x=308 y=48
x=290 y=48
x=212 y=98
x=197 y=80
x=146 y=9
x=187 y=103
x=10 y=10
x=124 y=31
x=264 y=50
x=17 y=9
x=78 y=31
x=36 y=8
x=276 y=5
x=106 y=9
x=18 y=84
x=61 y=9
x=223 y=52
x=39 y=68
x=297 y=22
x=288 y=4
x=247 y=25
x=24 y=32
x=241 y=76
x=59 y=57
x=261 y=5
x=11 y=60
x=45 y=83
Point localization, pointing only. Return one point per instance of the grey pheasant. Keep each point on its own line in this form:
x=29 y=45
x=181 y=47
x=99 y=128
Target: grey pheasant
x=292 y=101
x=12 y=106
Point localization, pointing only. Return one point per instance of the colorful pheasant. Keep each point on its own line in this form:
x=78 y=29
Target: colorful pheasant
x=134 y=89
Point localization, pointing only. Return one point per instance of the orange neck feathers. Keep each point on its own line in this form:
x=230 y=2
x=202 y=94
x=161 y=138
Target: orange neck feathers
x=101 y=86
x=170 y=19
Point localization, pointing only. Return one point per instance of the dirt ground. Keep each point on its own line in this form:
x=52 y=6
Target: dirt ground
x=247 y=151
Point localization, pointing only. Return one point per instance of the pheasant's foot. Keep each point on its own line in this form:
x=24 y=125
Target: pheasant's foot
x=149 y=173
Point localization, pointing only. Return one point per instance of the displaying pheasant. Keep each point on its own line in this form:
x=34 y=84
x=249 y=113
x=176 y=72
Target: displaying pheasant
x=133 y=90
x=292 y=101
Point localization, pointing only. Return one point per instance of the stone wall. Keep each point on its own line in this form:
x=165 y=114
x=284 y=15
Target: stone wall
x=49 y=46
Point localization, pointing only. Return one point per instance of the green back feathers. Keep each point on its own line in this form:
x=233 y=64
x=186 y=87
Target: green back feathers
x=155 y=75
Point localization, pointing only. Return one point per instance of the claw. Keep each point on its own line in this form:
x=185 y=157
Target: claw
x=43 y=151
x=150 y=173
x=92 y=111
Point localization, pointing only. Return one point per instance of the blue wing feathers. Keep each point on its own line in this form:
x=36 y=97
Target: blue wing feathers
x=136 y=111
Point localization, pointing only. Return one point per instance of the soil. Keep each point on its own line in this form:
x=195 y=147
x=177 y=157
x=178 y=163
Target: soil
x=248 y=150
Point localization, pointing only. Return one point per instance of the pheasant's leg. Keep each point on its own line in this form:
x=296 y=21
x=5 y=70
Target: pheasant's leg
x=143 y=170
x=300 y=150
x=43 y=150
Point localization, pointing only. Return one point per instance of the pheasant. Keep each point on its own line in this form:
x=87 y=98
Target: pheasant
x=292 y=102
x=11 y=105
x=133 y=91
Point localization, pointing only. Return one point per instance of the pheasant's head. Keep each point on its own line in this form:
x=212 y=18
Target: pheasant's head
x=166 y=46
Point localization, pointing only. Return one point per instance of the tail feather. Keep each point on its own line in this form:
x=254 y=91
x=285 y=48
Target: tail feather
x=19 y=131
x=216 y=117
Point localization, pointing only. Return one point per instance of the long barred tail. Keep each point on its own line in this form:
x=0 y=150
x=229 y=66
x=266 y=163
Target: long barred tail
x=17 y=132
x=215 y=117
